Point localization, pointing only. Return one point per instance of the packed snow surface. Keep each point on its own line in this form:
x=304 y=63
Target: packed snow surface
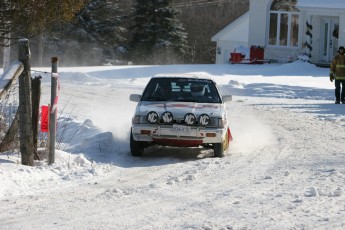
x=283 y=170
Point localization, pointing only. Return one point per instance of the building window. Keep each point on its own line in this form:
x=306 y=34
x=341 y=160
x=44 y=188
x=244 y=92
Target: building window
x=284 y=23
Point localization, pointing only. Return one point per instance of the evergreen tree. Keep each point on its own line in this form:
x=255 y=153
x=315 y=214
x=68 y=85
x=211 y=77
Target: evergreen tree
x=95 y=35
x=101 y=21
x=157 y=35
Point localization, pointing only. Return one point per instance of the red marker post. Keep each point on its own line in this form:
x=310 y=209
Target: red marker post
x=44 y=119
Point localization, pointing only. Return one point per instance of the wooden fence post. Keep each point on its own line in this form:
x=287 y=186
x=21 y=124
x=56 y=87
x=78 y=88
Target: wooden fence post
x=36 y=97
x=53 y=112
x=25 y=107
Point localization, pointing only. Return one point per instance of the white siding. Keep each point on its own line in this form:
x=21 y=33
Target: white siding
x=341 y=40
x=231 y=36
x=227 y=47
x=257 y=22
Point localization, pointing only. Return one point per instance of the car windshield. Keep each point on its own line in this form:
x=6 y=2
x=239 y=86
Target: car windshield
x=181 y=89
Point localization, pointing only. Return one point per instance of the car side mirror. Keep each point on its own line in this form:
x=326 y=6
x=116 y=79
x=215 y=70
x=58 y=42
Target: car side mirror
x=227 y=98
x=135 y=97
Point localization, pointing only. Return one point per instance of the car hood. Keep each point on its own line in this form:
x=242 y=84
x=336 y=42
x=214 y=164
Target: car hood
x=180 y=109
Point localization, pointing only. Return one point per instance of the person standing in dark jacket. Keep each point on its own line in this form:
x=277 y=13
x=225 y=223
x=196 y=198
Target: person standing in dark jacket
x=337 y=73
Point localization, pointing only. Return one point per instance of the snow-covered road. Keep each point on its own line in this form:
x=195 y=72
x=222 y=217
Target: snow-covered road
x=284 y=170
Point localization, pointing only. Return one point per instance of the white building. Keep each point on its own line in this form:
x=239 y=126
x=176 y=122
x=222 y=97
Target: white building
x=287 y=29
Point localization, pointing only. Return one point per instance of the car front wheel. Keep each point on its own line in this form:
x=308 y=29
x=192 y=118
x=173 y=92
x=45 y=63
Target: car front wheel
x=220 y=148
x=137 y=149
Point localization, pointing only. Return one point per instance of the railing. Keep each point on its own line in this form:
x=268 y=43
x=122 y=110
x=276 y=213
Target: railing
x=21 y=70
x=10 y=76
x=26 y=100
x=9 y=101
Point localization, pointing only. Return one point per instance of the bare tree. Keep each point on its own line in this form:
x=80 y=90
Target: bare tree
x=204 y=18
x=26 y=19
x=29 y=18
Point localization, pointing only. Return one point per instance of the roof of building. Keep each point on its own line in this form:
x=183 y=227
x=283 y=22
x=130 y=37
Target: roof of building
x=321 y=4
x=238 y=29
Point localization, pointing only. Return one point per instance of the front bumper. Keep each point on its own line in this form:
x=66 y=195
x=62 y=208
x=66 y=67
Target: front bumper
x=178 y=135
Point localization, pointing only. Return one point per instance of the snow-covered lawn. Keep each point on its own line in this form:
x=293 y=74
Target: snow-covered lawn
x=284 y=169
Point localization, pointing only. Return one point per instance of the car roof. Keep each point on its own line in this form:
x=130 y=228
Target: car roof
x=184 y=75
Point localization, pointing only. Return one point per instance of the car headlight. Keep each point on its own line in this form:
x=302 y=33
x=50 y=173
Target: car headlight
x=221 y=123
x=136 y=119
x=218 y=122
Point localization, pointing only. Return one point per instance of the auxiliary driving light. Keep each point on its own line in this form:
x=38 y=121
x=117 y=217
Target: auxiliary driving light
x=189 y=118
x=152 y=117
x=204 y=119
x=167 y=117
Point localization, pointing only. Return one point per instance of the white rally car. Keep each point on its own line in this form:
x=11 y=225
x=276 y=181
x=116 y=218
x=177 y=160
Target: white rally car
x=180 y=110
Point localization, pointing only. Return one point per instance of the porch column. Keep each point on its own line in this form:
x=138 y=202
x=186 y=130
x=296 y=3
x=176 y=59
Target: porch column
x=341 y=39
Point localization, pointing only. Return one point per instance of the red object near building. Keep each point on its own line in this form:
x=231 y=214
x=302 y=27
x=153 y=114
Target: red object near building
x=257 y=54
x=235 y=57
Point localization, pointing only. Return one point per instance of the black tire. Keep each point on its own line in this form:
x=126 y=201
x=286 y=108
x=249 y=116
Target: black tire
x=137 y=149
x=218 y=149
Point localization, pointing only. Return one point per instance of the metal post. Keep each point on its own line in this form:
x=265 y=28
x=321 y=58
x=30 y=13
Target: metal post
x=53 y=112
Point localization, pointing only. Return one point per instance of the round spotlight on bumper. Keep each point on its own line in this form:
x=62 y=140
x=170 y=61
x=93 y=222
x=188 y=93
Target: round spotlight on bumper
x=204 y=119
x=152 y=117
x=167 y=117
x=190 y=119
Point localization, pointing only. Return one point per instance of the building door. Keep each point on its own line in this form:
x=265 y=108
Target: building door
x=328 y=38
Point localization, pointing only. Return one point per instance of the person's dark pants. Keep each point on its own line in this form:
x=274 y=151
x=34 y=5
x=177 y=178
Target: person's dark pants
x=340 y=86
